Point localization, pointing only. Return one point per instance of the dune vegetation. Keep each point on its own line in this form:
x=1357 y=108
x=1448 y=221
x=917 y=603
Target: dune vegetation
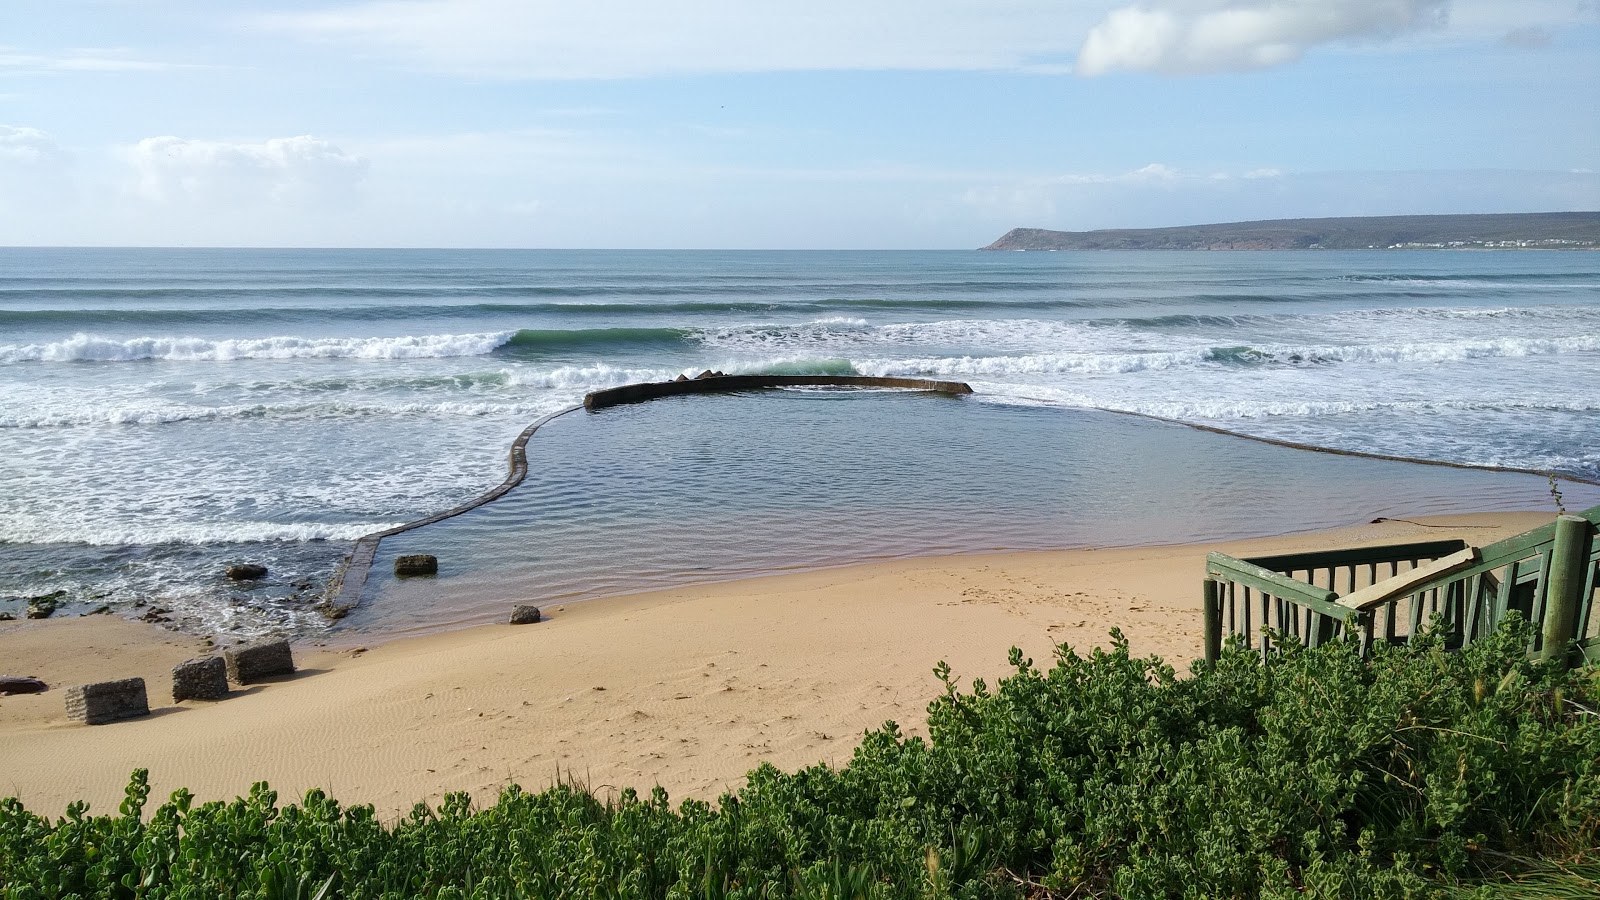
x=1416 y=773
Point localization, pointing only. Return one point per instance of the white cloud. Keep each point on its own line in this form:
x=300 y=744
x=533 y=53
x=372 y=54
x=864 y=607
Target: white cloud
x=638 y=38
x=83 y=60
x=20 y=146
x=1492 y=19
x=1154 y=173
x=35 y=172
x=1194 y=36
x=544 y=39
x=288 y=171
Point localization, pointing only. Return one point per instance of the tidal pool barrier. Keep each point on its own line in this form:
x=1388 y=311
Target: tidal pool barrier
x=718 y=384
x=348 y=583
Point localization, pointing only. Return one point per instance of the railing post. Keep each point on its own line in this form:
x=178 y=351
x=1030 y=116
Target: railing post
x=1563 y=583
x=1322 y=633
x=1212 y=613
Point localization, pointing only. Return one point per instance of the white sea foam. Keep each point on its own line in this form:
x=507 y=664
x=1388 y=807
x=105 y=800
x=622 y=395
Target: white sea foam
x=1429 y=352
x=843 y=332
x=1232 y=408
x=1032 y=364
x=86 y=347
x=74 y=415
x=102 y=534
x=585 y=378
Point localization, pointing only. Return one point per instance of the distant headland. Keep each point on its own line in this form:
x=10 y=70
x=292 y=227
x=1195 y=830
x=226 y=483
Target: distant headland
x=1501 y=231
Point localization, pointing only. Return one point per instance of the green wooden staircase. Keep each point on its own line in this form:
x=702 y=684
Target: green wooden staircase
x=1549 y=575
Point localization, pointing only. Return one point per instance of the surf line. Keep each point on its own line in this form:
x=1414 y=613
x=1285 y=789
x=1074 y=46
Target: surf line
x=1363 y=454
x=349 y=582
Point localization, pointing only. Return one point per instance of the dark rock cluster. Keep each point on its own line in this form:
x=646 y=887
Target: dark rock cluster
x=246 y=572
x=11 y=684
x=416 y=564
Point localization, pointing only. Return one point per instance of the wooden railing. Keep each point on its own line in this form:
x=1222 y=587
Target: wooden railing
x=1549 y=575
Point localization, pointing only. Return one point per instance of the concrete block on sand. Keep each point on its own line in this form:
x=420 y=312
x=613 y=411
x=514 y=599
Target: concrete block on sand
x=107 y=701
x=263 y=659
x=205 y=678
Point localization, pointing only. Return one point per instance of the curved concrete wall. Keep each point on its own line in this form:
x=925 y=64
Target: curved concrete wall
x=652 y=390
x=344 y=589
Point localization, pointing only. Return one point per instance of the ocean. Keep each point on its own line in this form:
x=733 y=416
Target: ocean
x=166 y=412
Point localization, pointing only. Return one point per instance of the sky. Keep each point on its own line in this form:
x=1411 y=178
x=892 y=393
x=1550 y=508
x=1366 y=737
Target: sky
x=776 y=123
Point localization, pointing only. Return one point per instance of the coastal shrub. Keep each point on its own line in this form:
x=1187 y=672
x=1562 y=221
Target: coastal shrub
x=1416 y=773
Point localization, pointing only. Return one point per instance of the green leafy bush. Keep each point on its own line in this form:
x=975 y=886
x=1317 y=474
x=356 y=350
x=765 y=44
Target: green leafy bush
x=1313 y=773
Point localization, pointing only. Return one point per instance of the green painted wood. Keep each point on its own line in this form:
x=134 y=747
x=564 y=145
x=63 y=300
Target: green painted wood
x=1232 y=609
x=1515 y=573
x=1536 y=606
x=1359 y=556
x=1245 y=603
x=1564 y=579
x=1587 y=602
x=1211 y=606
x=1252 y=575
x=1502 y=597
x=1414 y=620
x=1323 y=630
x=1474 y=610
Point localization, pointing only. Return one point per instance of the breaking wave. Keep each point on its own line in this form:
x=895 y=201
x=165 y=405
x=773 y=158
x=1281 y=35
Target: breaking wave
x=89 y=348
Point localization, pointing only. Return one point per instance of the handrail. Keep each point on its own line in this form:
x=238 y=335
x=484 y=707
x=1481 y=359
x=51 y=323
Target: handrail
x=1522 y=545
x=1408 y=582
x=1358 y=556
x=1549 y=574
x=1277 y=585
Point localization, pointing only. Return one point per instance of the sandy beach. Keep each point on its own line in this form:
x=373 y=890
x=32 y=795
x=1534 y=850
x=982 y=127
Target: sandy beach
x=689 y=688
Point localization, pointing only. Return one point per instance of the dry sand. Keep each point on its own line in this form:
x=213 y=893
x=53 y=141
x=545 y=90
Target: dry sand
x=689 y=688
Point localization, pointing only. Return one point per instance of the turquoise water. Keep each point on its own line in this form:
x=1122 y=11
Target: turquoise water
x=165 y=412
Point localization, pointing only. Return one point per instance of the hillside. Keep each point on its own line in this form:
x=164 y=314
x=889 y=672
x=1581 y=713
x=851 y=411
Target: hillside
x=1556 y=230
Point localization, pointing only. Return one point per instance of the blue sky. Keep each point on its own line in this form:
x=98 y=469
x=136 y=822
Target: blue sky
x=772 y=123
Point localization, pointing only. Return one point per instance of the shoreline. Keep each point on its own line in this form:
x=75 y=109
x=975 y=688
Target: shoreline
x=689 y=687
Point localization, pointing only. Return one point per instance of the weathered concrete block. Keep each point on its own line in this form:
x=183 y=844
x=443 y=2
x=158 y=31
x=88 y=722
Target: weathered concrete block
x=416 y=564
x=205 y=678
x=107 y=701
x=524 y=615
x=263 y=659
